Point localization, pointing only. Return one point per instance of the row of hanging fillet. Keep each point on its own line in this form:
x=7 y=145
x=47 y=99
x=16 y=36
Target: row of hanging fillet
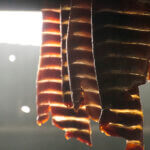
x=67 y=87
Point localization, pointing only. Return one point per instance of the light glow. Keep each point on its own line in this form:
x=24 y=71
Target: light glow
x=94 y=105
x=51 y=67
x=65 y=22
x=51 y=92
x=124 y=12
x=126 y=127
x=83 y=62
x=64 y=51
x=61 y=105
x=83 y=48
x=135 y=96
x=65 y=64
x=50 y=80
x=81 y=20
x=53 y=10
x=12 y=58
x=91 y=91
x=58 y=105
x=44 y=104
x=51 y=44
x=42 y=114
x=51 y=21
x=86 y=76
x=66 y=78
x=66 y=118
x=51 y=55
x=51 y=33
x=25 y=109
x=127 y=111
x=76 y=130
x=66 y=8
x=134 y=141
x=67 y=93
x=82 y=34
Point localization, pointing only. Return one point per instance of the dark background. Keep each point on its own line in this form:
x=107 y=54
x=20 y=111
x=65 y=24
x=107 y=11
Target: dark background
x=30 y=5
x=38 y=4
x=20 y=4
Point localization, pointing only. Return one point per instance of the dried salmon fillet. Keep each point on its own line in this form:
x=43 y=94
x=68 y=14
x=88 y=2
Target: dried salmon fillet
x=81 y=68
x=49 y=72
x=49 y=90
x=121 y=36
x=65 y=13
x=75 y=124
x=121 y=40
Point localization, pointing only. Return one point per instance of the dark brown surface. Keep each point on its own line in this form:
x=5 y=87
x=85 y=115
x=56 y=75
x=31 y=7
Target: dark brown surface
x=81 y=60
x=27 y=5
x=122 y=55
x=64 y=27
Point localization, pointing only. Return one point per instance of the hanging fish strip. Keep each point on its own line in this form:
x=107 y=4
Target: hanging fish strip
x=121 y=35
x=71 y=107
x=85 y=41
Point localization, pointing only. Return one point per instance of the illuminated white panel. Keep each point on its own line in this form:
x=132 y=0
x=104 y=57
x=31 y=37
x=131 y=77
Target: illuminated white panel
x=20 y=27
